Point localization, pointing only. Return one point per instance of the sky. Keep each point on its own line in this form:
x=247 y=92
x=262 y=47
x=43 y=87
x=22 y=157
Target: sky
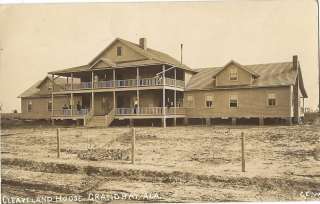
x=38 y=38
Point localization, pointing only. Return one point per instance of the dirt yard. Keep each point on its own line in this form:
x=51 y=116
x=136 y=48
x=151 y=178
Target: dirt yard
x=176 y=164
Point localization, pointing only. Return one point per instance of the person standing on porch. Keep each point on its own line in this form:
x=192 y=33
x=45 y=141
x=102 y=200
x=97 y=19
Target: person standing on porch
x=79 y=107
x=135 y=106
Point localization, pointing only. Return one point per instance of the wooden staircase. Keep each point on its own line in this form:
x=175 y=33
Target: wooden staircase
x=101 y=121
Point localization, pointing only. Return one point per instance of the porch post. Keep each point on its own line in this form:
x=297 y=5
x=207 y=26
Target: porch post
x=163 y=90
x=175 y=97
x=71 y=94
x=52 y=84
x=92 y=93
x=138 y=94
x=164 y=97
x=71 y=103
x=114 y=87
x=71 y=81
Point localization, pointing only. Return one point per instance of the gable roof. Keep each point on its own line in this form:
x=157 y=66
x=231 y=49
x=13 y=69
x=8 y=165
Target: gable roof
x=34 y=90
x=239 y=66
x=270 y=75
x=151 y=57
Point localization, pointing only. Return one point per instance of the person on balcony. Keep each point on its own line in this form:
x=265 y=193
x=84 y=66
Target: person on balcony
x=79 y=107
x=168 y=104
x=65 y=109
x=135 y=109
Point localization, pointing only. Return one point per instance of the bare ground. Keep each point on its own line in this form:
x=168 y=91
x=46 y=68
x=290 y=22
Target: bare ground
x=179 y=164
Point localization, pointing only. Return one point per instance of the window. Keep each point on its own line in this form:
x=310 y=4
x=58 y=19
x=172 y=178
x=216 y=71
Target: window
x=29 y=106
x=119 y=51
x=190 y=101
x=272 y=99
x=50 y=88
x=209 y=101
x=233 y=102
x=233 y=74
x=49 y=105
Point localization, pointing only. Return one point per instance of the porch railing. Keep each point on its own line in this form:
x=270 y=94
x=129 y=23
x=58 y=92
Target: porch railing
x=82 y=85
x=145 y=82
x=150 y=111
x=69 y=112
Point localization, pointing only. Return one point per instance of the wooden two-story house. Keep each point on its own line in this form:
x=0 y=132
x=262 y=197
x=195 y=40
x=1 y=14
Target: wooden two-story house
x=126 y=81
x=131 y=83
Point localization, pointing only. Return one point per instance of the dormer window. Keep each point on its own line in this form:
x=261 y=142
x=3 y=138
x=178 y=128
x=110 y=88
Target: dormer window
x=234 y=74
x=119 y=51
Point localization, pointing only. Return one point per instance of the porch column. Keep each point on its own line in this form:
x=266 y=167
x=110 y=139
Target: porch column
x=71 y=103
x=92 y=93
x=114 y=87
x=71 y=81
x=52 y=84
x=164 y=97
x=138 y=95
x=163 y=90
x=175 y=98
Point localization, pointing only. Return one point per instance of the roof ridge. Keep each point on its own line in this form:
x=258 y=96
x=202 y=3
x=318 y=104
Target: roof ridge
x=246 y=65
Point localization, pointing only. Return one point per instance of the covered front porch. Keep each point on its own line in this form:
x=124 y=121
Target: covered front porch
x=137 y=104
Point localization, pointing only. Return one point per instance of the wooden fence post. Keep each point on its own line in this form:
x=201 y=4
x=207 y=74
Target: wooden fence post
x=243 y=162
x=58 y=142
x=133 y=145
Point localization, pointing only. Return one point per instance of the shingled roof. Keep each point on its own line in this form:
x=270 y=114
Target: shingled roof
x=270 y=75
x=34 y=90
x=152 y=57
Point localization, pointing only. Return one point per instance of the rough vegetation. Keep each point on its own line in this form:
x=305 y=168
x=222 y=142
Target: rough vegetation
x=181 y=163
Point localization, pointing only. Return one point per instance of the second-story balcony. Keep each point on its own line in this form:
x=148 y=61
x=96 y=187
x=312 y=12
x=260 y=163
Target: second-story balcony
x=128 y=83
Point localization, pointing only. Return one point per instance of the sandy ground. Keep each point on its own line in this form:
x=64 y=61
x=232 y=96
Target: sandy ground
x=281 y=162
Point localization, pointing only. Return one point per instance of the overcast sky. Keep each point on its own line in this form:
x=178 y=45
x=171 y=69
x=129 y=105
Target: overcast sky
x=36 y=39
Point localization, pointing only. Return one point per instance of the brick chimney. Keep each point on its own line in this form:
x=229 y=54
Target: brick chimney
x=295 y=62
x=143 y=43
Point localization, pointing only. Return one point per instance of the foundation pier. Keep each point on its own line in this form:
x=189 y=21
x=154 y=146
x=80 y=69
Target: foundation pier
x=164 y=122
x=289 y=121
x=185 y=121
x=174 y=121
x=261 y=121
x=208 y=122
x=234 y=121
x=131 y=123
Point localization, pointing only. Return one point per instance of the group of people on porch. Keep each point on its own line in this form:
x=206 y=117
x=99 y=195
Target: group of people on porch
x=80 y=109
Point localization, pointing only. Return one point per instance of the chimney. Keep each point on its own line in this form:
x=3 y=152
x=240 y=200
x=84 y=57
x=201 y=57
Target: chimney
x=143 y=43
x=295 y=62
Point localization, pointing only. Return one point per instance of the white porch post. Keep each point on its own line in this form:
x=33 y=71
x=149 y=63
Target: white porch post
x=71 y=102
x=114 y=88
x=164 y=96
x=138 y=94
x=71 y=81
x=175 y=97
x=92 y=93
x=52 y=84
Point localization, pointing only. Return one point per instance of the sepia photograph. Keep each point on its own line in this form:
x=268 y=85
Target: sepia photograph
x=159 y=101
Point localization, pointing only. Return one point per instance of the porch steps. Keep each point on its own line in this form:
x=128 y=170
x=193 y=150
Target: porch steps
x=97 y=121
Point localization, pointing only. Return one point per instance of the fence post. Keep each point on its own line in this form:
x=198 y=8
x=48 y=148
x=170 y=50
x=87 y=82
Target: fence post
x=58 y=142
x=243 y=162
x=133 y=145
